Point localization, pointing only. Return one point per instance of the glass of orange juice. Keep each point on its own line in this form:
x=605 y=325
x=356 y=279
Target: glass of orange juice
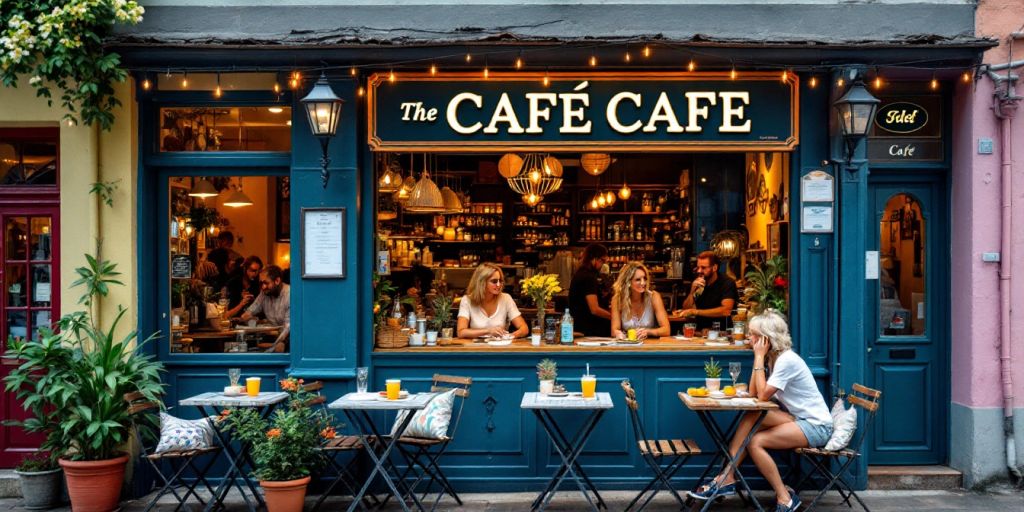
x=394 y=387
x=631 y=335
x=252 y=386
x=589 y=385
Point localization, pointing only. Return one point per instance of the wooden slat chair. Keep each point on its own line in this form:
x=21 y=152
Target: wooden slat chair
x=144 y=414
x=333 y=448
x=821 y=459
x=655 y=451
x=424 y=453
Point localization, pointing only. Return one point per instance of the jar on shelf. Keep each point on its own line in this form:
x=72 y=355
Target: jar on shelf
x=646 y=203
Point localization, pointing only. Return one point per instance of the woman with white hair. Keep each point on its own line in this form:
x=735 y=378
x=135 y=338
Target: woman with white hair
x=804 y=421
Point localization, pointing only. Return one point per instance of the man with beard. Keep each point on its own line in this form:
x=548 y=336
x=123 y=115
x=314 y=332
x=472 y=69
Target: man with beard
x=712 y=295
x=274 y=302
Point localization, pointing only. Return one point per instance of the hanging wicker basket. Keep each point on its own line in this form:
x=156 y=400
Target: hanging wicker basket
x=392 y=337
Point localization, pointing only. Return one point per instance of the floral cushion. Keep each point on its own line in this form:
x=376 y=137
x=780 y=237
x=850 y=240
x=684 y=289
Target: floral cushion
x=180 y=434
x=844 y=423
x=432 y=421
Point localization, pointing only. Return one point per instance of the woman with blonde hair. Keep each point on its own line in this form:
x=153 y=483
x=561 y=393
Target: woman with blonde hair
x=803 y=421
x=487 y=311
x=636 y=306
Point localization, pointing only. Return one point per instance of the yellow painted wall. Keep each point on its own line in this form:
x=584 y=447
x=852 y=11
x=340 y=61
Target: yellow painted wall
x=88 y=155
x=757 y=224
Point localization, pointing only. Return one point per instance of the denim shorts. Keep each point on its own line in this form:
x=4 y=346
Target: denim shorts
x=817 y=435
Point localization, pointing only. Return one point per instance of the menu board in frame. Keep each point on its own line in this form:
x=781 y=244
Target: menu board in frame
x=323 y=243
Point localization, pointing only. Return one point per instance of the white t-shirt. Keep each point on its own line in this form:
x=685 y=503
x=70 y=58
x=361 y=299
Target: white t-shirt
x=478 y=319
x=797 y=390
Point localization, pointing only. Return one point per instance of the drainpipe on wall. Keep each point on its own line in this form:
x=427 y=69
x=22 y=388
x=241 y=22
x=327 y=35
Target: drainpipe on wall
x=1004 y=107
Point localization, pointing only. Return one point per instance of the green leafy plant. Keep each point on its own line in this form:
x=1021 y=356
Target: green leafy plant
x=202 y=217
x=285 y=446
x=712 y=369
x=73 y=383
x=768 y=285
x=60 y=44
x=105 y=189
x=36 y=462
x=382 y=290
x=547 y=370
x=442 y=305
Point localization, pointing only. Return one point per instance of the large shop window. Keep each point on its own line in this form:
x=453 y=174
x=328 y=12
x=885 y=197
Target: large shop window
x=26 y=160
x=199 y=129
x=230 y=267
x=901 y=280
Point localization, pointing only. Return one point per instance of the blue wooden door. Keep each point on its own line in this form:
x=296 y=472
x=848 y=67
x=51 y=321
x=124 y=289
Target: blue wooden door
x=908 y=319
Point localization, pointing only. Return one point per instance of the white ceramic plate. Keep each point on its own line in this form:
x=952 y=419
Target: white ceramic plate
x=499 y=343
x=403 y=394
x=400 y=399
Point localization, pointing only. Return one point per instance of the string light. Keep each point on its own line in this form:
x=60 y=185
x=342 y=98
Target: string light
x=785 y=75
x=146 y=85
x=966 y=77
x=519 y=62
x=277 y=88
x=217 y=91
x=433 y=69
x=935 y=83
x=647 y=50
x=487 y=72
x=361 y=91
x=469 y=58
x=878 y=80
x=391 y=76
x=813 y=82
x=184 y=81
x=294 y=82
x=840 y=82
x=352 y=71
x=691 y=66
x=628 y=58
x=593 y=60
x=547 y=79
x=732 y=73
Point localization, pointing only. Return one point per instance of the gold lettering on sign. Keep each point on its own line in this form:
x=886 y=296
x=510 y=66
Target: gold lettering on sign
x=900 y=117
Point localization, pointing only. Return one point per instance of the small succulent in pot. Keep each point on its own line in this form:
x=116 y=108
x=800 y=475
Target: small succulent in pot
x=547 y=370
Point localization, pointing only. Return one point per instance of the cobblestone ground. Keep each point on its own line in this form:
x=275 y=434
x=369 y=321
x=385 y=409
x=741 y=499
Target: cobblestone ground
x=994 y=500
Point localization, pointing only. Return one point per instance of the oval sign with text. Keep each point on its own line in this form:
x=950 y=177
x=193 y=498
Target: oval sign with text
x=901 y=117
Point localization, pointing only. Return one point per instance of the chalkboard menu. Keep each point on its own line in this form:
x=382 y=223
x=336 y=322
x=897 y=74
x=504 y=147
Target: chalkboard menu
x=181 y=267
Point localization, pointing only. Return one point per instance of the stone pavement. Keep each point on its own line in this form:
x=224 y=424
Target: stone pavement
x=996 y=499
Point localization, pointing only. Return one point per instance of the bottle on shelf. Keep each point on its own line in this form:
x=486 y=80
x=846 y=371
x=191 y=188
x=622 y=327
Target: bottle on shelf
x=567 y=327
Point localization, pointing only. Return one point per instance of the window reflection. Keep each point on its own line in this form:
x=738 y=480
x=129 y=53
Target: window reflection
x=15 y=235
x=225 y=129
x=902 y=308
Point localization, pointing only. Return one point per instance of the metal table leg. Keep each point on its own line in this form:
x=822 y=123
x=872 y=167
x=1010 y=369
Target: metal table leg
x=364 y=424
x=233 y=470
x=721 y=440
x=569 y=451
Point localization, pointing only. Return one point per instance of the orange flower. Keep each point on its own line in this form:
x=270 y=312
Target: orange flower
x=274 y=432
x=288 y=384
x=225 y=412
x=328 y=433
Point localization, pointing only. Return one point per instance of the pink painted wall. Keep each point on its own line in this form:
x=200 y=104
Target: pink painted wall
x=976 y=224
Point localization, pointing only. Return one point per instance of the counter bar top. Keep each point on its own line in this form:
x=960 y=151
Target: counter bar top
x=666 y=344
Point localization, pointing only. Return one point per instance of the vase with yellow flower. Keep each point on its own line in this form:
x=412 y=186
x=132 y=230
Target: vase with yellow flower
x=541 y=288
x=286 y=447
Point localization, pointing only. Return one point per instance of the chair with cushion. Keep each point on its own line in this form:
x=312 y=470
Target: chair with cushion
x=840 y=449
x=181 y=442
x=673 y=453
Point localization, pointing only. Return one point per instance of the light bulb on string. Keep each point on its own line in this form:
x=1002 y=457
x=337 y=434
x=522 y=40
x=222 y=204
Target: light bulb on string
x=593 y=60
x=487 y=72
x=217 y=90
x=840 y=82
x=625 y=192
x=593 y=204
x=732 y=73
x=293 y=82
x=184 y=81
x=469 y=58
x=601 y=201
x=691 y=66
x=361 y=91
x=647 y=50
x=785 y=75
x=547 y=80
x=433 y=69
x=391 y=76
x=628 y=58
x=519 y=62
x=352 y=71
x=966 y=77
x=145 y=84
x=934 y=83
x=878 y=81
x=609 y=198
x=277 y=88
x=813 y=82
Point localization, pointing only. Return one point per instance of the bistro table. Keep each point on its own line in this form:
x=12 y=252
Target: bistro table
x=569 y=451
x=358 y=411
x=704 y=407
x=209 y=405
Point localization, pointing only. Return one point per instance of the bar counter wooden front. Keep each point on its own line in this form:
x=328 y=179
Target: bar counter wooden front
x=664 y=344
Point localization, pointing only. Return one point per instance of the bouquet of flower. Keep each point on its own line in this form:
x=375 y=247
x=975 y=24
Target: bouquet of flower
x=286 y=445
x=767 y=286
x=541 y=288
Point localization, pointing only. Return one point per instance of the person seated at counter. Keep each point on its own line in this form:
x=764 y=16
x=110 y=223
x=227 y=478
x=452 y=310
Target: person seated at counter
x=637 y=307
x=804 y=421
x=712 y=295
x=486 y=310
x=245 y=287
x=590 y=313
x=274 y=302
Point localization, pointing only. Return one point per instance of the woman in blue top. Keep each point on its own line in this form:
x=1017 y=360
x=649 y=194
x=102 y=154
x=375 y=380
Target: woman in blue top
x=805 y=420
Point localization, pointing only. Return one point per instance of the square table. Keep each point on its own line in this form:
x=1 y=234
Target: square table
x=569 y=451
x=358 y=411
x=705 y=407
x=209 y=405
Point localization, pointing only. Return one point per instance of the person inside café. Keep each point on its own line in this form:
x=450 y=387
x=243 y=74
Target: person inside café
x=637 y=308
x=245 y=287
x=803 y=420
x=274 y=303
x=486 y=310
x=712 y=295
x=587 y=300
x=224 y=252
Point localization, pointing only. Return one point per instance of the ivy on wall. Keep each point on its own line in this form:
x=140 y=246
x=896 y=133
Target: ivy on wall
x=59 y=45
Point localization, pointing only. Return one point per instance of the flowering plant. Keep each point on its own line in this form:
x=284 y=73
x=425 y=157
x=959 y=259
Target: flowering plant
x=60 y=43
x=767 y=286
x=286 y=445
x=541 y=288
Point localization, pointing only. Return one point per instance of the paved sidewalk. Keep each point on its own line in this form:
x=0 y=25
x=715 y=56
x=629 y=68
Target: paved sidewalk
x=995 y=500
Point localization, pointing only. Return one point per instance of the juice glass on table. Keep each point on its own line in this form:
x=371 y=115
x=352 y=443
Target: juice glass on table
x=252 y=386
x=631 y=335
x=589 y=385
x=394 y=387
x=689 y=330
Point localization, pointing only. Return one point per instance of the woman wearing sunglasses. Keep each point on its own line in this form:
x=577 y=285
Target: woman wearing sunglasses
x=487 y=311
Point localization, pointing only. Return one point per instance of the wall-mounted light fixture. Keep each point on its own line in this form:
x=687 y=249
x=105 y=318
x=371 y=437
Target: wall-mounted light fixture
x=323 y=108
x=856 y=111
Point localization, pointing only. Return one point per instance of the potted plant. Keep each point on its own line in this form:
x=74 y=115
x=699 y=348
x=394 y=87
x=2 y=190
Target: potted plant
x=547 y=372
x=541 y=288
x=87 y=371
x=767 y=286
x=442 y=315
x=40 y=479
x=285 y=446
x=713 y=374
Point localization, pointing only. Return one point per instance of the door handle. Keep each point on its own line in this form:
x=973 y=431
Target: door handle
x=869 y=350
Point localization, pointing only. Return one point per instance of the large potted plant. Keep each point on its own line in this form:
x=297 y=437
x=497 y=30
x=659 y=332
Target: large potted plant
x=88 y=370
x=285 y=447
x=767 y=286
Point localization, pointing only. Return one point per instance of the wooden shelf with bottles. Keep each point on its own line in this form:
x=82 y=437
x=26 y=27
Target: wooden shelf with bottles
x=661 y=213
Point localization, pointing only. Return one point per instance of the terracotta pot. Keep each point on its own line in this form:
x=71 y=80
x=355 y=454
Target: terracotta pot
x=286 y=496
x=94 y=485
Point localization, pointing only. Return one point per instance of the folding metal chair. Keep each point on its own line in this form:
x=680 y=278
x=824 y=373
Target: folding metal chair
x=675 y=451
x=424 y=453
x=141 y=411
x=821 y=459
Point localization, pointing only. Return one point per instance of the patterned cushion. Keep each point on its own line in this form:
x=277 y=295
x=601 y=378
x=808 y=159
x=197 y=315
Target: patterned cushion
x=180 y=434
x=844 y=423
x=432 y=421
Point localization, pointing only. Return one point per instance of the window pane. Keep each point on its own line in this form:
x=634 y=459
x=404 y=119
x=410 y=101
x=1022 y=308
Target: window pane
x=902 y=308
x=40 y=320
x=16 y=284
x=9 y=158
x=40 y=162
x=15 y=236
x=41 y=285
x=40 y=250
x=17 y=324
x=225 y=129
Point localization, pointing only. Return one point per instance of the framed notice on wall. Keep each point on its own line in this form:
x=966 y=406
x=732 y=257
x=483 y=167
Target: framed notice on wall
x=323 y=243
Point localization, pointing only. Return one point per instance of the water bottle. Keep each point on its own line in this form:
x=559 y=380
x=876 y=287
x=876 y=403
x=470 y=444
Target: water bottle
x=566 y=337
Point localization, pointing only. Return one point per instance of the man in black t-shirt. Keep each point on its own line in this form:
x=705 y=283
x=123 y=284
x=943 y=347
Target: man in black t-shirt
x=712 y=296
x=590 y=314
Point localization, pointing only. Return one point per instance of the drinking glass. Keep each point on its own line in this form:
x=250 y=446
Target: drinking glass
x=734 y=370
x=393 y=387
x=689 y=330
x=252 y=386
x=588 y=385
x=233 y=375
x=362 y=374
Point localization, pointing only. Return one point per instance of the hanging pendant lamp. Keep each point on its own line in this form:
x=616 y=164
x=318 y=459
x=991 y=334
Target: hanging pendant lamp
x=425 y=197
x=537 y=177
x=238 y=199
x=595 y=163
x=203 y=189
x=452 y=203
x=389 y=180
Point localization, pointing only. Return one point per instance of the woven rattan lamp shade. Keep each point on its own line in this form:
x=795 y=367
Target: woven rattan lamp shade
x=452 y=203
x=595 y=163
x=425 y=197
